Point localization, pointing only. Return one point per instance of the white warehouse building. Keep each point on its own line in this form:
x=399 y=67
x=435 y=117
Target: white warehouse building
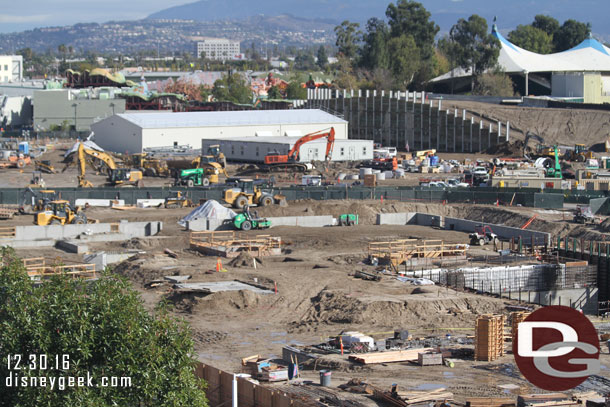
x=133 y=132
x=254 y=149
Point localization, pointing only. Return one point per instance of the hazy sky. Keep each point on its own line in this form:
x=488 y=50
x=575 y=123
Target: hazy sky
x=23 y=15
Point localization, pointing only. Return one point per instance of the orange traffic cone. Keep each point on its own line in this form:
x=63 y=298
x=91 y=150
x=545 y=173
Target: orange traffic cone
x=218 y=265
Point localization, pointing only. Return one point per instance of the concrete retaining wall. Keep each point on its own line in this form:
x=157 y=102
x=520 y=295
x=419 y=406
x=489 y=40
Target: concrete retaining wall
x=585 y=299
x=463 y=225
x=29 y=236
x=303 y=221
x=98 y=202
x=503 y=232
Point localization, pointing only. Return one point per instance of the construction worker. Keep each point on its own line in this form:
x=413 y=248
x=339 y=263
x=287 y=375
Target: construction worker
x=394 y=164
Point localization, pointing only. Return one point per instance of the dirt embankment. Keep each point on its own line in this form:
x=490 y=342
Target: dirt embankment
x=556 y=126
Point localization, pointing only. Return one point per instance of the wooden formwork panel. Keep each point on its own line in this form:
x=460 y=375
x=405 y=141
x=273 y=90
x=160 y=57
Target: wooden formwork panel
x=245 y=393
x=489 y=337
x=212 y=377
x=226 y=387
x=263 y=397
x=516 y=319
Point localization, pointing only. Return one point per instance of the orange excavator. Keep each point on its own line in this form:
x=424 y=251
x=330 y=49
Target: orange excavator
x=274 y=162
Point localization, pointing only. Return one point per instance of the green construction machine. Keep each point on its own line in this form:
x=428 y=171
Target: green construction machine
x=249 y=220
x=348 y=219
x=555 y=172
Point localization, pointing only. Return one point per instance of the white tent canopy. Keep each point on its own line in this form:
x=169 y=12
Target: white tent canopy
x=588 y=56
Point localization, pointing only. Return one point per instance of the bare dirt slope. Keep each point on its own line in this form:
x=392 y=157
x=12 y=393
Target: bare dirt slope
x=562 y=126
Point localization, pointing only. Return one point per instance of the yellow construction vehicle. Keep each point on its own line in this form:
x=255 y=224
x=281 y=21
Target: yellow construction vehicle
x=579 y=154
x=59 y=213
x=177 y=200
x=246 y=193
x=151 y=167
x=101 y=160
x=45 y=166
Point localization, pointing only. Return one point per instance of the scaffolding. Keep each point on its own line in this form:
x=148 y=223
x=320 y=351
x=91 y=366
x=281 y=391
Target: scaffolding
x=414 y=252
x=232 y=244
x=41 y=268
x=489 y=337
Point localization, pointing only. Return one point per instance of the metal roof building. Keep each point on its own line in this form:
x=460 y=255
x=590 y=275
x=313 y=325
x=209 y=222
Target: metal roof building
x=133 y=132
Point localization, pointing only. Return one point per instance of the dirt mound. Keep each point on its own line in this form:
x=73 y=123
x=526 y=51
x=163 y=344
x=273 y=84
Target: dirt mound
x=144 y=268
x=332 y=307
x=195 y=303
x=139 y=243
x=244 y=260
x=508 y=149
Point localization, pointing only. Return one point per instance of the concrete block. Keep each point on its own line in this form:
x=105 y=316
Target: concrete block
x=72 y=247
x=98 y=202
x=401 y=218
x=203 y=224
x=303 y=221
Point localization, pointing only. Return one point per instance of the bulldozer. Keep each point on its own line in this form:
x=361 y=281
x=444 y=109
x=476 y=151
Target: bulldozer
x=45 y=166
x=60 y=213
x=126 y=177
x=151 y=167
x=246 y=193
x=177 y=200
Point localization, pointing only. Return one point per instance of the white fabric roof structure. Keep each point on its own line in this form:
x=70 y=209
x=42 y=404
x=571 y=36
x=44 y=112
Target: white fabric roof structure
x=87 y=143
x=590 y=55
x=209 y=210
x=233 y=118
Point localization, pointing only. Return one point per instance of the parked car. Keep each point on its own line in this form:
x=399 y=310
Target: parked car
x=479 y=171
x=456 y=183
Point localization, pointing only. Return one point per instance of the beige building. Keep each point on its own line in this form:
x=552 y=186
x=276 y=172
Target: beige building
x=218 y=48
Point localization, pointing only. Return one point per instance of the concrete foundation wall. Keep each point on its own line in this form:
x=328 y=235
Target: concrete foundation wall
x=585 y=299
x=464 y=225
x=201 y=225
x=303 y=221
x=503 y=232
x=52 y=233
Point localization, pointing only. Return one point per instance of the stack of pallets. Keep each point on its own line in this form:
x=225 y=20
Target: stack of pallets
x=489 y=337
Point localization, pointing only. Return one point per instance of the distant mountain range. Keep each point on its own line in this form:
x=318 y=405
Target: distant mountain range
x=510 y=13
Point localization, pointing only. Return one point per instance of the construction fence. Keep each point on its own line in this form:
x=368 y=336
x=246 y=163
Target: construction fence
x=490 y=196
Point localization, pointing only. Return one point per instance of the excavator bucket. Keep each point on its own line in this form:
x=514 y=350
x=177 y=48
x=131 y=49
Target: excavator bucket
x=280 y=200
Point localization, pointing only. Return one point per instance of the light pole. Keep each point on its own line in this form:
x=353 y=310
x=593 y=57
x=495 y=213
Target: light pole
x=526 y=73
x=74 y=105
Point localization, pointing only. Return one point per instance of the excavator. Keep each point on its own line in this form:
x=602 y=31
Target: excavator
x=116 y=175
x=529 y=136
x=275 y=162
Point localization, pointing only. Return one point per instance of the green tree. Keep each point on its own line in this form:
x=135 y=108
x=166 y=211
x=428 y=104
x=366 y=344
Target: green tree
x=322 y=57
x=274 y=93
x=61 y=48
x=26 y=53
x=408 y=17
x=404 y=59
x=304 y=61
x=374 y=51
x=474 y=47
x=348 y=37
x=494 y=83
x=232 y=88
x=105 y=331
x=344 y=77
x=547 y=24
x=570 y=34
x=295 y=91
x=532 y=39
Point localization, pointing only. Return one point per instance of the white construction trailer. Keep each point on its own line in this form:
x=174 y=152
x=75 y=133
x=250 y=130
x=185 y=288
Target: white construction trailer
x=254 y=149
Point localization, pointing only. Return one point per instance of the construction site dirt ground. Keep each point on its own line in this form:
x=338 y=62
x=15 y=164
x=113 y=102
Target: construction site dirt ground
x=319 y=297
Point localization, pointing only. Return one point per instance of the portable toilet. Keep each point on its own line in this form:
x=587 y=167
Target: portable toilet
x=24 y=148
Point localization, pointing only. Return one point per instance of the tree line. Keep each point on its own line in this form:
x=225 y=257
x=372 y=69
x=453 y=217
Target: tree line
x=402 y=51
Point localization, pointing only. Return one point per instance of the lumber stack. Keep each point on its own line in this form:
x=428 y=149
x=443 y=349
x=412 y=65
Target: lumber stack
x=409 y=355
x=408 y=398
x=516 y=319
x=489 y=337
x=490 y=402
x=546 y=400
